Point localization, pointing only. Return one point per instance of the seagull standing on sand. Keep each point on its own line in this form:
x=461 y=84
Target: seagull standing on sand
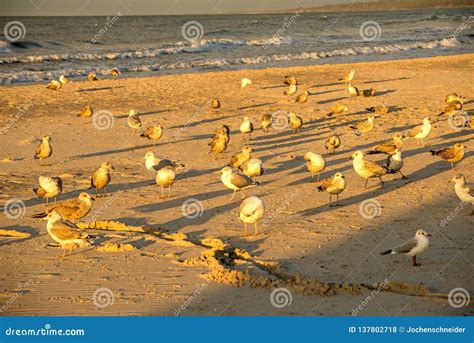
x=463 y=190
x=453 y=97
x=236 y=181
x=338 y=109
x=267 y=121
x=165 y=178
x=153 y=133
x=101 y=177
x=86 y=113
x=245 y=82
x=44 y=150
x=302 y=98
x=364 y=127
x=66 y=233
x=332 y=143
x=240 y=157
x=134 y=120
x=72 y=209
x=451 y=107
x=63 y=79
x=394 y=163
x=367 y=92
x=352 y=90
x=333 y=185
x=380 y=109
x=315 y=163
x=291 y=90
x=92 y=77
x=252 y=209
x=49 y=187
x=54 y=85
x=348 y=77
x=413 y=247
x=367 y=169
x=452 y=155
x=246 y=127
x=220 y=139
x=115 y=72
x=420 y=132
x=295 y=122
x=215 y=103
x=389 y=147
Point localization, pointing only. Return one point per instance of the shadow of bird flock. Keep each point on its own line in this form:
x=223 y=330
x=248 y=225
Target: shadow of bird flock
x=201 y=216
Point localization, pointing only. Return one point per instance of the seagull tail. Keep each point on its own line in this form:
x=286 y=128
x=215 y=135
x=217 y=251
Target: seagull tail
x=433 y=152
x=39 y=215
x=372 y=152
x=39 y=192
x=320 y=188
x=386 y=252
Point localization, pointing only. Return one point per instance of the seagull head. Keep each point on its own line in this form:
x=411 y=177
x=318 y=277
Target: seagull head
x=107 y=166
x=53 y=216
x=358 y=155
x=149 y=155
x=459 y=178
x=422 y=233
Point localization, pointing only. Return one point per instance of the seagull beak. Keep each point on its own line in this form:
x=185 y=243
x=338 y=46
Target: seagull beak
x=93 y=198
x=428 y=235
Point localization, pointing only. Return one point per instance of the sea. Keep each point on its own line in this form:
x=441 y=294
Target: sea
x=38 y=49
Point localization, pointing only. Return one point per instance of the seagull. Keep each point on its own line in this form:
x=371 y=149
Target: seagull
x=215 y=103
x=380 y=109
x=66 y=233
x=394 y=163
x=49 y=187
x=92 y=77
x=165 y=178
x=252 y=167
x=351 y=90
x=338 y=108
x=72 y=209
x=290 y=80
x=246 y=127
x=236 y=181
x=220 y=139
x=134 y=120
x=333 y=185
x=463 y=190
x=367 y=169
x=291 y=90
x=364 y=127
x=267 y=121
x=348 y=77
x=388 y=147
x=295 y=122
x=413 y=247
x=302 y=98
x=86 y=113
x=315 y=163
x=420 y=132
x=101 y=177
x=252 y=209
x=245 y=82
x=63 y=79
x=153 y=163
x=451 y=107
x=115 y=72
x=153 y=133
x=332 y=143
x=452 y=155
x=54 y=85
x=44 y=150
x=240 y=157
x=367 y=92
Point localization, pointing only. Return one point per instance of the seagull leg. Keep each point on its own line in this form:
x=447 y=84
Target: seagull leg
x=319 y=175
x=381 y=181
x=452 y=165
x=245 y=229
x=233 y=194
x=330 y=198
x=414 y=261
x=242 y=194
x=71 y=249
x=162 y=192
x=366 y=180
x=403 y=176
x=169 y=192
x=256 y=230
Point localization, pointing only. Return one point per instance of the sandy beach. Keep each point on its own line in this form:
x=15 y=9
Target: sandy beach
x=163 y=262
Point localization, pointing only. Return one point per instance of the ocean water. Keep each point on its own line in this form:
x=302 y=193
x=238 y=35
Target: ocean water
x=42 y=48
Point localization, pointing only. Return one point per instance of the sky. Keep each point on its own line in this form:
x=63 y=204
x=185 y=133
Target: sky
x=150 y=7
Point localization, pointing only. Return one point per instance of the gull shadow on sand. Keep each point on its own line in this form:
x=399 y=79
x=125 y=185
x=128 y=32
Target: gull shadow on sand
x=257 y=105
x=142 y=114
x=82 y=90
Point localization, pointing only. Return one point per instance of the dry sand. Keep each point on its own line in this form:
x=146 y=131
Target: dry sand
x=160 y=260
